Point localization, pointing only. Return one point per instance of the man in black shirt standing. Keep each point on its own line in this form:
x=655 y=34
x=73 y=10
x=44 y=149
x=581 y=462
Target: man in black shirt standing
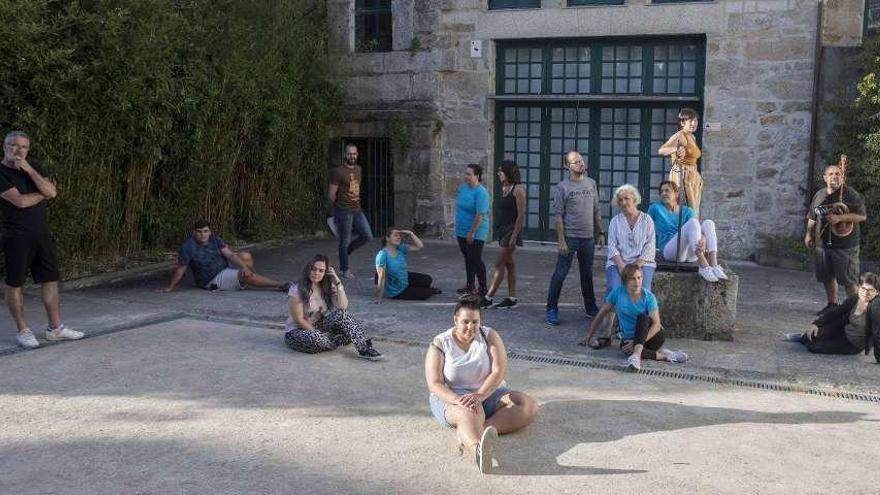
x=27 y=243
x=833 y=223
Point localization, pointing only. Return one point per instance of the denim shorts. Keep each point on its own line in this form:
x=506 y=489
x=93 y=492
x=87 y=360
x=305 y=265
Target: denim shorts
x=438 y=407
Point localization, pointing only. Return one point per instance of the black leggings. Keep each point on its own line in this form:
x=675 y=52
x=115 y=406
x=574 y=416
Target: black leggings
x=650 y=346
x=473 y=263
x=419 y=287
x=830 y=340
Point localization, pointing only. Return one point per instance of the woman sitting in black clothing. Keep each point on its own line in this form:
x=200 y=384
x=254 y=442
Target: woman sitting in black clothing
x=848 y=328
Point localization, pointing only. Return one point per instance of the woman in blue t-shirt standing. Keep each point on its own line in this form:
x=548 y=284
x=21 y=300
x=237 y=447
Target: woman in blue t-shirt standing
x=639 y=316
x=392 y=278
x=472 y=227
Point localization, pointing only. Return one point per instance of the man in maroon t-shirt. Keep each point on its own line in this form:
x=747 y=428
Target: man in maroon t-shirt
x=27 y=243
x=345 y=195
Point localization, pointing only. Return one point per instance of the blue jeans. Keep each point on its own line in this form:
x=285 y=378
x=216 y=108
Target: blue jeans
x=438 y=407
x=613 y=280
x=346 y=221
x=584 y=248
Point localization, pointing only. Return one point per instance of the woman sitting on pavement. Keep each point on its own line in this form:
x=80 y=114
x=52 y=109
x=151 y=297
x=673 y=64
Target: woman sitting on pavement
x=848 y=328
x=465 y=368
x=318 y=320
x=639 y=316
x=698 y=240
x=392 y=278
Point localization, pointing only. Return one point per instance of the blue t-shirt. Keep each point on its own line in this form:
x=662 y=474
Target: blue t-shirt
x=205 y=260
x=629 y=311
x=396 y=277
x=469 y=202
x=666 y=222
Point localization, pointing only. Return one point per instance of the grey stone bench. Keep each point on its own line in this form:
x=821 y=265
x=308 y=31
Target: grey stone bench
x=691 y=308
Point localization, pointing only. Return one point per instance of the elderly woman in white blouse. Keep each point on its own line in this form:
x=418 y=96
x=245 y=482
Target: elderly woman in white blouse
x=631 y=239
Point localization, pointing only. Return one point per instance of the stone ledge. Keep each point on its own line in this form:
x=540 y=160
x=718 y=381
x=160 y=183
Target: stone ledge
x=692 y=308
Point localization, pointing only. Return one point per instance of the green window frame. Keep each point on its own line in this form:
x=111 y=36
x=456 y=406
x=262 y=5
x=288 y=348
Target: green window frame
x=514 y=4
x=373 y=26
x=682 y=1
x=580 y=3
x=615 y=100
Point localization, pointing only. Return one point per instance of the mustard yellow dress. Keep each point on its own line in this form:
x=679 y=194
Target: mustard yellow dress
x=693 y=181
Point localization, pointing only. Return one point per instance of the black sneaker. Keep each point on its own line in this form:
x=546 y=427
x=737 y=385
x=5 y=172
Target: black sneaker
x=436 y=291
x=370 y=353
x=486 y=302
x=464 y=290
x=506 y=303
x=827 y=308
x=592 y=312
x=285 y=287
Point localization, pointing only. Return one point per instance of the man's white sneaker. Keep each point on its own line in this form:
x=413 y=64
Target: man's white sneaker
x=26 y=339
x=708 y=274
x=719 y=272
x=63 y=333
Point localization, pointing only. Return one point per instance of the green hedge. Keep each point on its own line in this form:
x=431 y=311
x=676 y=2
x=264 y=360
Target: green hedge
x=150 y=113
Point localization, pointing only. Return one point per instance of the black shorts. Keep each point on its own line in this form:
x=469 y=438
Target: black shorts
x=504 y=235
x=841 y=264
x=36 y=254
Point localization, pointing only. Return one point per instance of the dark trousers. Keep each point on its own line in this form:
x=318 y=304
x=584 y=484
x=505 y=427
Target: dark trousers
x=419 y=287
x=830 y=340
x=650 y=346
x=473 y=263
x=346 y=221
x=584 y=249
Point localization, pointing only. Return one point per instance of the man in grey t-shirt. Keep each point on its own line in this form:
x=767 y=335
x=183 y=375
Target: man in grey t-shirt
x=576 y=209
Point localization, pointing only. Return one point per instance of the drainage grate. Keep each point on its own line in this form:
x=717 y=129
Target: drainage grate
x=698 y=377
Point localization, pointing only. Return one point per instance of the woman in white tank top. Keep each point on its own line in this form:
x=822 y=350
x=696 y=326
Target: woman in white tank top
x=465 y=368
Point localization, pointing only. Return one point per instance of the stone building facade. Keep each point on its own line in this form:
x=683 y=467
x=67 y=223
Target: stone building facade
x=464 y=83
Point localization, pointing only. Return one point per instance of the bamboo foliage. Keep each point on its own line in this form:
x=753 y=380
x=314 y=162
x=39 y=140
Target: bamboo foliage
x=150 y=113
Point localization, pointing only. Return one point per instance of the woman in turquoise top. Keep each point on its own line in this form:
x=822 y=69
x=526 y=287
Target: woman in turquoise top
x=641 y=335
x=472 y=227
x=392 y=278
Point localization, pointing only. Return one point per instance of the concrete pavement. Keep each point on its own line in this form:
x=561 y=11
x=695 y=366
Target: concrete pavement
x=196 y=406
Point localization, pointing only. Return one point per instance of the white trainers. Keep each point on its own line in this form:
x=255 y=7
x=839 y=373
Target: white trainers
x=719 y=272
x=63 y=333
x=675 y=356
x=26 y=339
x=486 y=448
x=634 y=362
x=708 y=274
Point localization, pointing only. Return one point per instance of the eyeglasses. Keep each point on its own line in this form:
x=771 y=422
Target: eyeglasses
x=868 y=290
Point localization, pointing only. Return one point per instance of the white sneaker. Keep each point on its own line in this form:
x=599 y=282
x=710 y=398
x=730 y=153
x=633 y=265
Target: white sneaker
x=634 y=362
x=675 y=356
x=708 y=274
x=26 y=339
x=63 y=333
x=487 y=446
x=719 y=272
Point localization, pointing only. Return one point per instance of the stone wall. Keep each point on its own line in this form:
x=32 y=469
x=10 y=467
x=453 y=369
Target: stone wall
x=759 y=83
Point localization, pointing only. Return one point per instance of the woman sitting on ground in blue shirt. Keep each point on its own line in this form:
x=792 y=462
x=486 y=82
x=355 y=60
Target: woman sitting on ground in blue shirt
x=392 y=278
x=639 y=316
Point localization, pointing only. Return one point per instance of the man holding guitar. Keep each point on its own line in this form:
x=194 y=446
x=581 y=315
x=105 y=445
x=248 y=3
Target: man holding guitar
x=832 y=222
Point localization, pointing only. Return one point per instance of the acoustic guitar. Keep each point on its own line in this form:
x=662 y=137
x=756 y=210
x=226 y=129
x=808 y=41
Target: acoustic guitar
x=841 y=229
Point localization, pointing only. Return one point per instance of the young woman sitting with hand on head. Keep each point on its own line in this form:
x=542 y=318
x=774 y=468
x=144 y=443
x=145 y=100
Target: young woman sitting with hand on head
x=392 y=278
x=318 y=320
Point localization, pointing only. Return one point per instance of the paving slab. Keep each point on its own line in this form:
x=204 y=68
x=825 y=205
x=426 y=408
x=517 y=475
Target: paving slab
x=195 y=406
x=771 y=302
